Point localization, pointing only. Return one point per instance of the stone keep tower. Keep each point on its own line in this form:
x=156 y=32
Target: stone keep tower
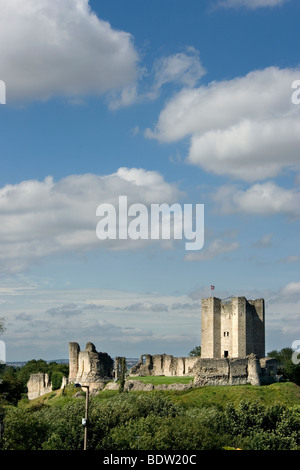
x=234 y=328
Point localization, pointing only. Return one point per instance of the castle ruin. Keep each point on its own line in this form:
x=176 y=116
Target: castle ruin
x=232 y=328
x=232 y=347
x=232 y=353
x=89 y=367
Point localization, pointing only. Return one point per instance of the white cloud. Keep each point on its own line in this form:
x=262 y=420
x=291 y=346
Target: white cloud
x=102 y=317
x=147 y=306
x=290 y=259
x=291 y=289
x=216 y=248
x=264 y=242
x=251 y=4
x=261 y=198
x=248 y=150
x=50 y=47
x=246 y=127
x=40 y=218
x=180 y=69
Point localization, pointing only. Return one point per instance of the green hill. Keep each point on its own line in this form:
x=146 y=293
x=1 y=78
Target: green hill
x=205 y=418
x=287 y=394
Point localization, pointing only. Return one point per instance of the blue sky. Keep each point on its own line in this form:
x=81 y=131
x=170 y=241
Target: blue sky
x=164 y=101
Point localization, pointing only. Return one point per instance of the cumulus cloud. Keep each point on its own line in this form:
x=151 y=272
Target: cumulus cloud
x=248 y=150
x=264 y=242
x=147 y=307
x=71 y=309
x=247 y=127
x=56 y=316
x=216 y=248
x=290 y=259
x=54 y=48
x=42 y=218
x=262 y=199
x=251 y=4
x=186 y=306
x=183 y=69
x=291 y=289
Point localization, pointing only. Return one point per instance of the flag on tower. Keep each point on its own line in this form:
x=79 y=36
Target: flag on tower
x=212 y=287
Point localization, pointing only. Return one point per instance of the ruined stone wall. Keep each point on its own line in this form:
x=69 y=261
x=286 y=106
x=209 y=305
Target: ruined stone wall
x=38 y=385
x=163 y=364
x=89 y=367
x=208 y=371
x=73 y=361
x=223 y=371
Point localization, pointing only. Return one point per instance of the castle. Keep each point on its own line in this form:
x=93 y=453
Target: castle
x=232 y=347
x=232 y=352
x=232 y=328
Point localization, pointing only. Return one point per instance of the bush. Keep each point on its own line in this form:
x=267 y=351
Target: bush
x=115 y=423
x=56 y=380
x=23 y=430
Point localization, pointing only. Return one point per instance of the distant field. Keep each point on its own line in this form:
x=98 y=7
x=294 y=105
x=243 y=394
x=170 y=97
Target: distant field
x=159 y=380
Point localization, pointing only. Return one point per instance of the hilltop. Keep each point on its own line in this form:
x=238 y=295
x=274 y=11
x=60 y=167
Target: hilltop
x=285 y=393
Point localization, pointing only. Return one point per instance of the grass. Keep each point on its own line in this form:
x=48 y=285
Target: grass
x=285 y=393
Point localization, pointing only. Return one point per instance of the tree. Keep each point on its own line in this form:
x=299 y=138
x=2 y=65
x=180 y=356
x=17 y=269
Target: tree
x=32 y=367
x=196 y=351
x=286 y=367
x=2 y=327
x=12 y=388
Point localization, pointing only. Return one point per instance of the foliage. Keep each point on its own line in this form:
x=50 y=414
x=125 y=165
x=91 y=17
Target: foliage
x=23 y=430
x=256 y=427
x=287 y=368
x=14 y=379
x=150 y=421
x=246 y=417
x=56 y=379
x=35 y=366
x=2 y=327
x=196 y=351
x=12 y=387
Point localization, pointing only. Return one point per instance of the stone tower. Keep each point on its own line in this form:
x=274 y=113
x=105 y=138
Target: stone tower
x=89 y=366
x=74 y=350
x=234 y=328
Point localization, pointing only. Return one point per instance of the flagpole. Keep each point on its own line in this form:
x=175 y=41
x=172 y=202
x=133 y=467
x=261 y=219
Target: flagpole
x=211 y=289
